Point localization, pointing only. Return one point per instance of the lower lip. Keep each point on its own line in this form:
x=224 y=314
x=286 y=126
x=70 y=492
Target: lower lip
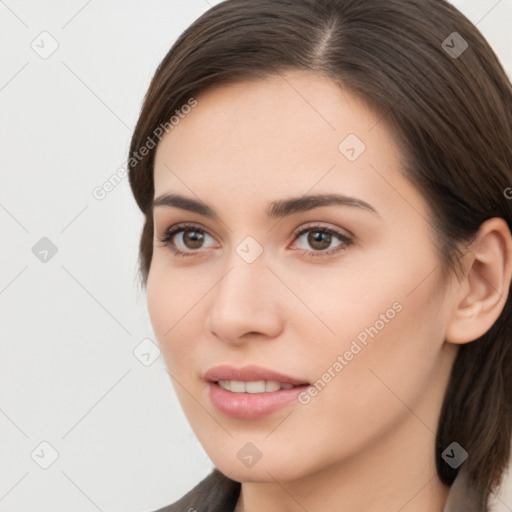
x=251 y=406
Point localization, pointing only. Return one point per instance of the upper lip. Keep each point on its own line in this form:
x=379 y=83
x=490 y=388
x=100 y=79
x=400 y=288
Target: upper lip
x=249 y=373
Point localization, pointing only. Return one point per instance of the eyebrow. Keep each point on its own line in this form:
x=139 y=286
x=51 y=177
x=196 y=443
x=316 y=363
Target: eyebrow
x=276 y=209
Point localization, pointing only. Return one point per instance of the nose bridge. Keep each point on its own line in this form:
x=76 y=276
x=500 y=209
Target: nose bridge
x=242 y=284
x=242 y=301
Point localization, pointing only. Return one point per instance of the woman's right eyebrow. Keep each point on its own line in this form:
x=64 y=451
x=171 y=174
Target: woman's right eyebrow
x=276 y=209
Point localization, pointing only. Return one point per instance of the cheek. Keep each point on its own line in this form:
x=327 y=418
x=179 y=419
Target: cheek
x=170 y=305
x=383 y=356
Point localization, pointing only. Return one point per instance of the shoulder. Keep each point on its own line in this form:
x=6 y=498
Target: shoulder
x=215 y=493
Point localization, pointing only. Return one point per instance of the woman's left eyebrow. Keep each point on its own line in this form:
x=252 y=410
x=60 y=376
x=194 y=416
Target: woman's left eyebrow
x=276 y=209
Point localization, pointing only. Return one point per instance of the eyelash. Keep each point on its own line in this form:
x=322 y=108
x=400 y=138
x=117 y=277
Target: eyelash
x=171 y=232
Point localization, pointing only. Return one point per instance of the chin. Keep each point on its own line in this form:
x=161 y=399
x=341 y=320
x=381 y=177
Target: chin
x=264 y=470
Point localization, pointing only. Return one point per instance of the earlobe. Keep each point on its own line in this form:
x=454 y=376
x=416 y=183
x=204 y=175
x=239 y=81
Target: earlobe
x=480 y=298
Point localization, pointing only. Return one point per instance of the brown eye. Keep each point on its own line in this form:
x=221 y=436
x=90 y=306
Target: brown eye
x=192 y=239
x=185 y=240
x=319 y=239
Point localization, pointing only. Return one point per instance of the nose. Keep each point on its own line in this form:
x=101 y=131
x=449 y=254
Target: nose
x=245 y=303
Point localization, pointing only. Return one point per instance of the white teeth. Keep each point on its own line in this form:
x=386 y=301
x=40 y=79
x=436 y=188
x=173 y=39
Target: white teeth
x=226 y=384
x=257 y=386
x=272 y=385
x=237 y=386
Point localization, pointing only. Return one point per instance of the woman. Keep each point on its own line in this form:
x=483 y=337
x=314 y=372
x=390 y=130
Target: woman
x=327 y=253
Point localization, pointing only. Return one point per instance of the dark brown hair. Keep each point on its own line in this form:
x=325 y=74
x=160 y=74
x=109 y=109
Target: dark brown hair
x=452 y=119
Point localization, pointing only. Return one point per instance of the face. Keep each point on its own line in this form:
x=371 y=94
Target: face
x=342 y=300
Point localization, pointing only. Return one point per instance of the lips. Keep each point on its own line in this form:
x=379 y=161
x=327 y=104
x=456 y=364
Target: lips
x=251 y=392
x=250 y=373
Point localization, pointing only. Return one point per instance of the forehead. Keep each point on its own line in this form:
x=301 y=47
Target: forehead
x=283 y=135
x=288 y=111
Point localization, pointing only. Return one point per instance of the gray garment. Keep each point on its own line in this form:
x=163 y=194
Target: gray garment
x=218 y=493
x=463 y=497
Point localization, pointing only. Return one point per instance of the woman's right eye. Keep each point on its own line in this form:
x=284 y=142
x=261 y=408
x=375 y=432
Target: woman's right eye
x=185 y=240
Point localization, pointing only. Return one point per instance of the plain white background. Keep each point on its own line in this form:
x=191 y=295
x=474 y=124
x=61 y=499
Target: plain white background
x=88 y=417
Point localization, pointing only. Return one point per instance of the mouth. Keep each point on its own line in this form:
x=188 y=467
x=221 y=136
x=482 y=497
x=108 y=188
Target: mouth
x=255 y=386
x=254 y=378
x=251 y=392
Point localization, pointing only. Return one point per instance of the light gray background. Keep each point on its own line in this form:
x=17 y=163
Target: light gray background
x=70 y=325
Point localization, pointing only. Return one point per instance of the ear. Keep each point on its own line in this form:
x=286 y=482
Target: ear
x=480 y=296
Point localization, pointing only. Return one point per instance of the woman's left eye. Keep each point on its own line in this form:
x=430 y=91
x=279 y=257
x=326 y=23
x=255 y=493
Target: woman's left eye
x=192 y=238
x=320 y=238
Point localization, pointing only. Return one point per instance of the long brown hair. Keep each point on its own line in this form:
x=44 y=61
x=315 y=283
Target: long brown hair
x=448 y=101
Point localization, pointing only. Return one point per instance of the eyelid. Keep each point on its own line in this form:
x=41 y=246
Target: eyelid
x=323 y=226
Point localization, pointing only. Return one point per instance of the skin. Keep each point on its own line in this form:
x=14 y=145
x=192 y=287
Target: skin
x=366 y=441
